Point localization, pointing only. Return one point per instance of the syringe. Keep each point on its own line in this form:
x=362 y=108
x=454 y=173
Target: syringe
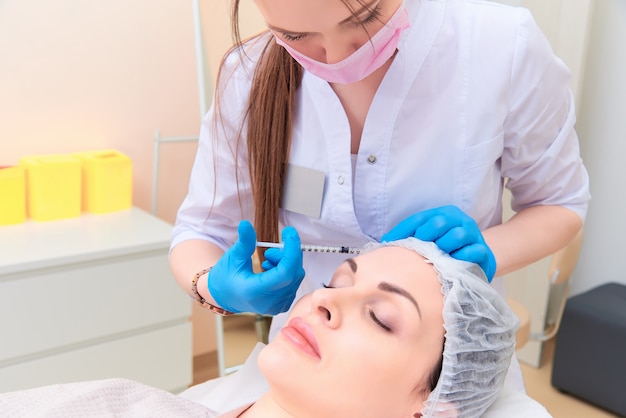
x=314 y=248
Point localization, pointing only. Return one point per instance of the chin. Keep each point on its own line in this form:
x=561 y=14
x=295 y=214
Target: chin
x=277 y=360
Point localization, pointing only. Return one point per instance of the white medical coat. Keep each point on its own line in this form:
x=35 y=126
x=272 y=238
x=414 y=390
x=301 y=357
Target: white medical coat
x=474 y=96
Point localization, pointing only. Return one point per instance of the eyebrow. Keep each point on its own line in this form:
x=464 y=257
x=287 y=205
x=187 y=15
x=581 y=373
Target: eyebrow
x=388 y=287
x=369 y=6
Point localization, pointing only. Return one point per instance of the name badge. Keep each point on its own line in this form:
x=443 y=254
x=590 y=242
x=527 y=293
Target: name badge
x=303 y=191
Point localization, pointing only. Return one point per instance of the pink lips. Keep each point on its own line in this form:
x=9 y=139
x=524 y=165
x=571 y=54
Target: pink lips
x=301 y=335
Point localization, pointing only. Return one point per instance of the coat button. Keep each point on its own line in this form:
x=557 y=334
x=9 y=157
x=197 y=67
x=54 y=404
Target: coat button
x=371 y=159
x=340 y=180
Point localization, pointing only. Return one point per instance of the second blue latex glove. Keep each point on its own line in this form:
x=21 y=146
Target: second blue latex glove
x=453 y=231
x=235 y=287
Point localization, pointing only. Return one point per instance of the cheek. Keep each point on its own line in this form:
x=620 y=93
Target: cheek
x=373 y=377
x=372 y=361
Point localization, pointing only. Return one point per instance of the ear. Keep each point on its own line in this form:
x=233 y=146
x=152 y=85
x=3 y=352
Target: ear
x=415 y=408
x=444 y=410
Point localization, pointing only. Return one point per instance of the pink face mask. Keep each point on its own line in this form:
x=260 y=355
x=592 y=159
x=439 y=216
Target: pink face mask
x=365 y=60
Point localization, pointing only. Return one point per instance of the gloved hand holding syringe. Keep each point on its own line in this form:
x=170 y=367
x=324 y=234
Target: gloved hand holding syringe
x=237 y=288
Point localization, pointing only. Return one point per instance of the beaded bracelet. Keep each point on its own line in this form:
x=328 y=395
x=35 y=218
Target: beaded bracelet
x=198 y=298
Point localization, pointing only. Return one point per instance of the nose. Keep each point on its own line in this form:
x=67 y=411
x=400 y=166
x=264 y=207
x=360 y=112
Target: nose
x=337 y=49
x=325 y=305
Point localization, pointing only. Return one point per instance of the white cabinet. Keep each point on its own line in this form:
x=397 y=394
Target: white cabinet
x=90 y=298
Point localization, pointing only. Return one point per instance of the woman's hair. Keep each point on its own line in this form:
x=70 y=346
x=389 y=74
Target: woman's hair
x=269 y=114
x=434 y=375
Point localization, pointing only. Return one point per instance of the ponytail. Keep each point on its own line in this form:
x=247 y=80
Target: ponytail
x=270 y=116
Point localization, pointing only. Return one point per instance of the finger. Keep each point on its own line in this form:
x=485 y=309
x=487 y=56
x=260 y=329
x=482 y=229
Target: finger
x=286 y=263
x=436 y=227
x=292 y=252
x=289 y=272
x=267 y=265
x=474 y=253
x=406 y=228
x=481 y=255
x=273 y=255
x=245 y=245
x=457 y=238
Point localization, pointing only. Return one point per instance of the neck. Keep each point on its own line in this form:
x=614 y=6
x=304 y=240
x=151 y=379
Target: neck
x=266 y=407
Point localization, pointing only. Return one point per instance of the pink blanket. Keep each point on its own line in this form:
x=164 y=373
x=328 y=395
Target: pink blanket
x=99 y=398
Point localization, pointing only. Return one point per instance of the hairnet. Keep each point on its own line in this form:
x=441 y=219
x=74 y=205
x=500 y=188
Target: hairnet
x=479 y=339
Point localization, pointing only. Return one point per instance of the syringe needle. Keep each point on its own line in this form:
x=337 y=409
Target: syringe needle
x=314 y=248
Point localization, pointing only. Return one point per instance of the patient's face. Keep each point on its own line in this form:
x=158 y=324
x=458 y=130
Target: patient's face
x=364 y=347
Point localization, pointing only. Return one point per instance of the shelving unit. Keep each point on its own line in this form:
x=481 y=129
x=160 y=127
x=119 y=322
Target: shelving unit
x=90 y=298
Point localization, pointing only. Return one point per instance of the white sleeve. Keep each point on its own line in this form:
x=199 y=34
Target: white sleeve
x=541 y=157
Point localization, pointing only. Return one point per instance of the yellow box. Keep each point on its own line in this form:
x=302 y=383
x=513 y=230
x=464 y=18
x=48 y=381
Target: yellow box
x=53 y=187
x=12 y=195
x=107 y=181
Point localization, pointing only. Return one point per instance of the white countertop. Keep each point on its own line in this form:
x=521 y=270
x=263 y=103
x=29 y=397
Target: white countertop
x=33 y=245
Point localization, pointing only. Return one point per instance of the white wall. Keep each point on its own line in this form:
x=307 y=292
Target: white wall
x=602 y=130
x=216 y=28
x=86 y=75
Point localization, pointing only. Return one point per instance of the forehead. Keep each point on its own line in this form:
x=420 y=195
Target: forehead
x=304 y=15
x=397 y=264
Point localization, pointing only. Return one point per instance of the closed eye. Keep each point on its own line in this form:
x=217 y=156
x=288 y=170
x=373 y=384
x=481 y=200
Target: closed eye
x=378 y=321
x=371 y=312
x=373 y=16
x=292 y=37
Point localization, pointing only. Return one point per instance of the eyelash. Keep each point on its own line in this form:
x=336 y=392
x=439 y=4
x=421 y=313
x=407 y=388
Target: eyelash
x=378 y=322
x=373 y=16
x=292 y=38
x=371 y=313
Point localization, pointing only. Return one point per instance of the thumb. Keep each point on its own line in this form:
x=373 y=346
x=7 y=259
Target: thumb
x=291 y=242
x=246 y=243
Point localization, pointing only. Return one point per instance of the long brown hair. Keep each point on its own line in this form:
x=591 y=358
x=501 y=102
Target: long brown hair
x=270 y=113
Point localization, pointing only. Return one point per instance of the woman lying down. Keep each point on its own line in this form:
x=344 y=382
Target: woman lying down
x=401 y=331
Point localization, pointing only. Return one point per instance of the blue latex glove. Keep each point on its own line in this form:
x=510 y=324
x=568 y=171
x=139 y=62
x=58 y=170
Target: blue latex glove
x=235 y=286
x=453 y=231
